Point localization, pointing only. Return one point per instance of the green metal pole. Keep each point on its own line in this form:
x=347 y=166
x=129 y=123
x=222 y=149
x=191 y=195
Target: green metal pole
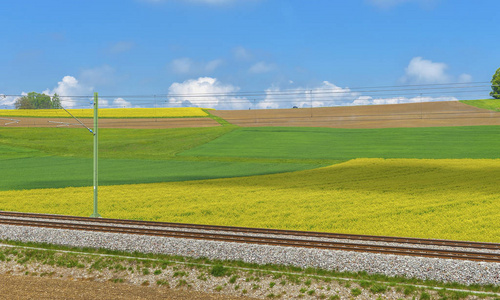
x=96 y=106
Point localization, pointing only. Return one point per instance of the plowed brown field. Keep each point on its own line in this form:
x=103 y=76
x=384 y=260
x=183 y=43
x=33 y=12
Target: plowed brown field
x=109 y=123
x=428 y=114
x=29 y=287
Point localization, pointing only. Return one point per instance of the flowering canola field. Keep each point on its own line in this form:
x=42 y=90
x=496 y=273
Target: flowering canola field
x=446 y=198
x=176 y=112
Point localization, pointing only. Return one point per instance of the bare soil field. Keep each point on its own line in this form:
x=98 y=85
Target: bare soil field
x=33 y=287
x=427 y=114
x=156 y=123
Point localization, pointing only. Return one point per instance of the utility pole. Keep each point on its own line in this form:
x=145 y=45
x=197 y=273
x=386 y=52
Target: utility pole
x=96 y=148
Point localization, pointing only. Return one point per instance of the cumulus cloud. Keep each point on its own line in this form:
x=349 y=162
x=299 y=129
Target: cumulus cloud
x=327 y=94
x=262 y=67
x=210 y=93
x=186 y=65
x=116 y=103
x=206 y=92
x=367 y=100
x=423 y=71
x=7 y=102
x=67 y=88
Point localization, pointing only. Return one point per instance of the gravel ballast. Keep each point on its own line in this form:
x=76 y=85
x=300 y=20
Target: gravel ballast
x=446 y=270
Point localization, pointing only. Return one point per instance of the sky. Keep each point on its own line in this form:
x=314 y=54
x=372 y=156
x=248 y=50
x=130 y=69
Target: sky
x=241 y=54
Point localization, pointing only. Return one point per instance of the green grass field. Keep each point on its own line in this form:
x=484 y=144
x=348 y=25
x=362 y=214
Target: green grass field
x=61 y=157
x=344 y=144
x=489 y=104
x=59 y=172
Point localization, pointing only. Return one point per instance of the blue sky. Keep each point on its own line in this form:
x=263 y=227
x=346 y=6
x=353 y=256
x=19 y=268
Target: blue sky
x=227 y=47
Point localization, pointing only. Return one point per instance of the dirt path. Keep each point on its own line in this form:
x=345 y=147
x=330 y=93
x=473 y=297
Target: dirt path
x=30 y=287
x=429 y=114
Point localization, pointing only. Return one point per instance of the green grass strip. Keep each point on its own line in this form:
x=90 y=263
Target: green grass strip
x=489 y=104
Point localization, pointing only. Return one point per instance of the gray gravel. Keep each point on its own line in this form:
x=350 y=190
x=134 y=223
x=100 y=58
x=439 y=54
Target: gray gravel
x=447 y=270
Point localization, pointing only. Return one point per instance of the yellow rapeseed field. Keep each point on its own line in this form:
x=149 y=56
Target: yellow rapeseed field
x=108 y=112
x=450 y=199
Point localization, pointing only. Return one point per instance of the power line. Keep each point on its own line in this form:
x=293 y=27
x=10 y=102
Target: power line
x=372 y=89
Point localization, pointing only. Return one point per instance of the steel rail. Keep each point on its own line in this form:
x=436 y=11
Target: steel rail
x=287 y=242
x=387 y=239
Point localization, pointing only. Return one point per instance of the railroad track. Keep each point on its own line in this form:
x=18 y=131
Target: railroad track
x=240 y=235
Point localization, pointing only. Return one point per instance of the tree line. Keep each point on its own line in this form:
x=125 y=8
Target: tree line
x=38 y=101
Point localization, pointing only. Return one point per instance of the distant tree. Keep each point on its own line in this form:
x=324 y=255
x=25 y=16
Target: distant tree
x=56 y=102
x=38 y=101
x=495 y=85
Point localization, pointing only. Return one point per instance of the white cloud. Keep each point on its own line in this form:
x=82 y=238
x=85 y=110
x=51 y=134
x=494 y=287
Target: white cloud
x=422 y=71
x=186 y=65
x=120 y=47
x=67 y=88
x=122 y=103
x=367 y=100
x=262 y=67
x=206 y=92
x=327 y=94
x=117 y=103
x=7 y=102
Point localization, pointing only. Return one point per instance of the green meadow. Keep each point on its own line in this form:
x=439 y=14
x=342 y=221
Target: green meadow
x=345 y=144
x=489 y=104
x=62 y=157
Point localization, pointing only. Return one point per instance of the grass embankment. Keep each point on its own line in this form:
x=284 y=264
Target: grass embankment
x=489 y=104
x=180 y=112
x=450 y=199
